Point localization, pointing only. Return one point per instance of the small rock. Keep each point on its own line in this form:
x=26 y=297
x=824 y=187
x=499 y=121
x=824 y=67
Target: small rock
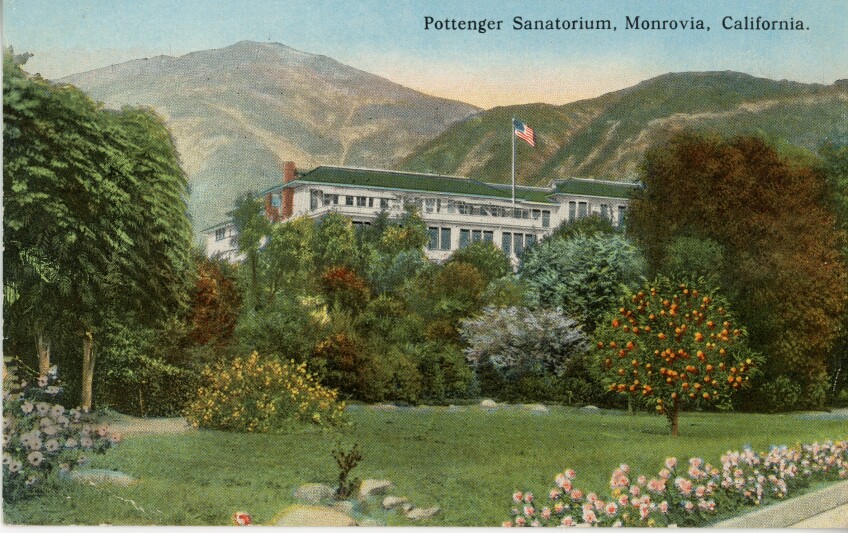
x=590 y=408
x=423 y=514
x=390 y=502
x=374 y=487
x=537 y=408
x=344 y=506
x=488 y=404
x=314 y=492
x=97 y=476
x=370 y=522
x=311 y=515
x=407 y=507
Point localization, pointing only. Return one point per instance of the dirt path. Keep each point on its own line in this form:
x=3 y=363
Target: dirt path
x=132 y=425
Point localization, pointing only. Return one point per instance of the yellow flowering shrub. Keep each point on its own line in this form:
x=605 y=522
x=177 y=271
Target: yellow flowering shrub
x=262 y=396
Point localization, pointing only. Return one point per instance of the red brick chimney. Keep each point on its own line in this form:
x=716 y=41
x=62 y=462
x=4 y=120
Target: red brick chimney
x=289 y=175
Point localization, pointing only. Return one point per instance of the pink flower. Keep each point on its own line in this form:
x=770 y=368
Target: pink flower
x=519 y=521
x=641 y=480
x=528 y=497
x=529 y=510
x=700 y=491
x=611 y=508
x=634 y=490
x=576 y=494
x=683 y=485
x=567 y=521
x=695 y=462
x=535 y=523
x=546 y=513
x=624 y=468
x=507 y=524
x=554 y=494
x=623 y=500
x=644 y=511
x=664 y=507
x=589 y=517
x=689 y=506
x=570 y=474
x=566 y=485
x=517 y=497
x=559 y=507
x=592 y=497
x=665 y=474
x=670 y=462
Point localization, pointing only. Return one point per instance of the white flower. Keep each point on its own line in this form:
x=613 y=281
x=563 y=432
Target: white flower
x=51 y=445
x=15 y=465
x=35 y=458
x=27 y=407
x=42 y=381
x=57 y=410
x=86 y=442
x=71 y=443
x=43 y=408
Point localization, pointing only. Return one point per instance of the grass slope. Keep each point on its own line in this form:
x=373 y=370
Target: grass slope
x=606 y=137
x=468 y=462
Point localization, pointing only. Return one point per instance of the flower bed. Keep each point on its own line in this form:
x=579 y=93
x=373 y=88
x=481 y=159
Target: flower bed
x=41 y=437
x=689 y=494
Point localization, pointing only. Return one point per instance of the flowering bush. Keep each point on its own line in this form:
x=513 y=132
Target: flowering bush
x=688 y=494
x=40 y=436
x=257 y=395
x=672 y=346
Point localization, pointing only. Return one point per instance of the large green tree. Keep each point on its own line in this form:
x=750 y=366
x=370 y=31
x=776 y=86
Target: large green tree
x=95 y=224
x=783 y=271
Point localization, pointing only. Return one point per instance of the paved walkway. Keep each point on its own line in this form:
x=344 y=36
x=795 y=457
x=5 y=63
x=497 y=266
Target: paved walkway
x=825 y=508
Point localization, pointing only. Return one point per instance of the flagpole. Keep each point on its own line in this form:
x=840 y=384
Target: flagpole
x=512 y=134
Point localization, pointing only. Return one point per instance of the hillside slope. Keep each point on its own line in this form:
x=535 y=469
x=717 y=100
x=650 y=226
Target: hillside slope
x=606 y=137
x=237 y=112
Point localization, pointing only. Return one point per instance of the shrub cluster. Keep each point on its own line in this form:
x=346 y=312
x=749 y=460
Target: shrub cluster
x=263 y=396
x=686 y=495
x=41 y=438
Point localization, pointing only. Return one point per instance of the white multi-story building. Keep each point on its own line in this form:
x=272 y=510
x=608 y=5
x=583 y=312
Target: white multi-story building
x=457 y=211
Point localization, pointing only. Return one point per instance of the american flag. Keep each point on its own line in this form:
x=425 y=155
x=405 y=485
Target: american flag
x=525 y=132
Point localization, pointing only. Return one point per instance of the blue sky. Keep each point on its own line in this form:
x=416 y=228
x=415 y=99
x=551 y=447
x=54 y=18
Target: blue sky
x=388 y=38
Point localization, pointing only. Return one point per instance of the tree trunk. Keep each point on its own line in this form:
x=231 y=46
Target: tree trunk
x=43 y=347
x=87 y=370
x=673 y=414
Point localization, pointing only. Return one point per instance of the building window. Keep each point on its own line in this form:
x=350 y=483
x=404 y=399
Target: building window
x=572 y=211
x=464 y=238
x=429 y=205
x=361 y=201
x=314 y=199
x=506 y=242
x=488 y=236
x=220 y=234
x=518 y=244
x=537 y=213
x=370 y=202
x=621 y=214
x=433 y=244
x=384 y=203
x=529 y=240
x=476 y=235
x=463 y=208
x=605 y=212
x=349 y=200
x=546 y=219
x=277 y=201
x=451 y=207
x=446 y=239
x=331 y=199
x=582 y=209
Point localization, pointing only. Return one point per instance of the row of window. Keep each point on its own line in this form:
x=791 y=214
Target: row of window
x=220 y=234
x=318 y=198
x=515 y=243
x=581 y=209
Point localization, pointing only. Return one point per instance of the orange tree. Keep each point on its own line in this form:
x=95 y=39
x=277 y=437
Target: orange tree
x=673 y=346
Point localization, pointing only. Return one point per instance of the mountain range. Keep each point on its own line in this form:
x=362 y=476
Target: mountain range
x=237 y=112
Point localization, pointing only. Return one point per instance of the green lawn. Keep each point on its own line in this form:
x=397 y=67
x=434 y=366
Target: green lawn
x=467 y=461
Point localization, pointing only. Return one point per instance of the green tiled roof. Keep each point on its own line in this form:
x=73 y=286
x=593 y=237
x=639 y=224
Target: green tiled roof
x=606 y=189
x=389 y=179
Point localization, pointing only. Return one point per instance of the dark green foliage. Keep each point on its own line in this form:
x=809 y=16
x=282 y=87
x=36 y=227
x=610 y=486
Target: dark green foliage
x=589 y=225
x=347 y=461
x=693 y=258
x=135 y=379
x=95 y=224
x=285 y=328
x=486 y=257
x=444 y=372
x=335 y=243
x=774 y=395
x=783 y=273
x=584 y=276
